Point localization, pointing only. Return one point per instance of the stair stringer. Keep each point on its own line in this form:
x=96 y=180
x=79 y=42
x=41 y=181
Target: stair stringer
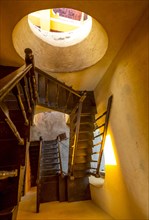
x=78 y=184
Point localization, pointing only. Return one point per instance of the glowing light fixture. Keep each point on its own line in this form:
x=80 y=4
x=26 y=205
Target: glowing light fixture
x=109 y=152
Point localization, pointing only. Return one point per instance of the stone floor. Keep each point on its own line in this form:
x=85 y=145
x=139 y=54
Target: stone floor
x=83 y=210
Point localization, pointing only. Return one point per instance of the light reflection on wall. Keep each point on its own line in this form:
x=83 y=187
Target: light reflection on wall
x=109 y=152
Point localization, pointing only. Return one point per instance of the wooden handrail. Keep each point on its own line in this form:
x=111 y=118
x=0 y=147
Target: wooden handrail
x=10 y=81
x=80 y=101
x=76 y=136
x=6 y=212
x=4 y=174
x=56 y=81
x=101 y=116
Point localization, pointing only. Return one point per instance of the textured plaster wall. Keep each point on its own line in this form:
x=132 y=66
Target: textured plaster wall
x=49 y=125
x=125 y=193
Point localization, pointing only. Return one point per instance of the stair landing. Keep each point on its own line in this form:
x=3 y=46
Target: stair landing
x=81 y=210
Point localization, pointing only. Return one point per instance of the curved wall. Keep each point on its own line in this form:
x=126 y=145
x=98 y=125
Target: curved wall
x=61 y=59
x=125 y=192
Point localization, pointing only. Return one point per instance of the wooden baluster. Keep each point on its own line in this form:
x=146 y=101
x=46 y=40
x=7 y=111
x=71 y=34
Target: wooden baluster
x=57 y=95
x=34 y=85
x=46 y=91
x=11 y=124
x=16 y=91
x=22 y=106
x=24 y=86
x=31 y=96
x=30 y=88
x=67 y=101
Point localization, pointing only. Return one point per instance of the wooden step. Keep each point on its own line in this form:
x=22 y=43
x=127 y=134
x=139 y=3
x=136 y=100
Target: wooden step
x=49 y=151
x=78 y=189
x=81 y=159
x=84 y=146
x=87 y=127
x=9 y=213
x=80 y=173
x=49 y=158
x=49 y=168
x=51 y=142
x=49 y=189
x=81 y=166
x=49 y=172
x=48 y=163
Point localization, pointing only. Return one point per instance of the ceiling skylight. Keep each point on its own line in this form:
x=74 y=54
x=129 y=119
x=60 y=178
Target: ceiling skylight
x=60 y=27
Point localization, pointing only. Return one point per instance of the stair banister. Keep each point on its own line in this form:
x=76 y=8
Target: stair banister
x=78 y=108
x=10 y=81
x=4 y=174
x=57 y=82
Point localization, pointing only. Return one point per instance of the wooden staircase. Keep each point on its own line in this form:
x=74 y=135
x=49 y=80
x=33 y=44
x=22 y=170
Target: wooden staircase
x=81 y=108
x=15 y=120
x=82 y=126
x=20 y=92
x=54 y=94
x=51 y=184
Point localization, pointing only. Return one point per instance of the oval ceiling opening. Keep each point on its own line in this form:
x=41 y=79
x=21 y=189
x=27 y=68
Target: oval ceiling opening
x=63 y=40
x=60 y=27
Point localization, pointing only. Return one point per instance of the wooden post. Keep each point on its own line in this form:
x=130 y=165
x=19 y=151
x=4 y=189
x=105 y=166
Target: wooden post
x=29 y=59
x=78 y=110
x=17 y=93
x=24 y=86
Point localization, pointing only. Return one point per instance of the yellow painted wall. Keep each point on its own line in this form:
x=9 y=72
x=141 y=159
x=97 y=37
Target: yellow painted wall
x=60 y=26
x=125 y=193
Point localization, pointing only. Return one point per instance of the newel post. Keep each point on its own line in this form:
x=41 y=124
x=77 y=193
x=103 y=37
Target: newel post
x=29 y=59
